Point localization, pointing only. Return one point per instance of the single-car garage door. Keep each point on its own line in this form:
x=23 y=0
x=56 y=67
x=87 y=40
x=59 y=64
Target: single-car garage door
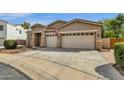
x=78 y=40
x=51 y=40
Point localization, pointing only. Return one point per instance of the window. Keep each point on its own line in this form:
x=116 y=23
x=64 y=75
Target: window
x=63 y=34
x=91 y=33
x=74 y=34
x=66 y=34
x=82 y=33
x=20 y=31
x=86 y=33
x=1 y=27
x=78 y=34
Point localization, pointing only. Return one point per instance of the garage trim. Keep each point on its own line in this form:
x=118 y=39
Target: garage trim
x=79 y=31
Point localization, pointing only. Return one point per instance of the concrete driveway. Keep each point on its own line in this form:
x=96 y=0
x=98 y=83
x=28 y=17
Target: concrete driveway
x=55 y=63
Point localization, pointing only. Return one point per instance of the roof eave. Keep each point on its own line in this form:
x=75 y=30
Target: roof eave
x=85 y=21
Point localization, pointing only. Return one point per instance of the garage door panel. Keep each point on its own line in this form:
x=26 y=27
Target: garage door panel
x=79 y=41
x=51 y=41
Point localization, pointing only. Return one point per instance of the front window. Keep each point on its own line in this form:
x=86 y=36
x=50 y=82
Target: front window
x=1 y=27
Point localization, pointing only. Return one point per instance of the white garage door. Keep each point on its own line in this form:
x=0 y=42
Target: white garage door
x=51 y=40
x=78 y=40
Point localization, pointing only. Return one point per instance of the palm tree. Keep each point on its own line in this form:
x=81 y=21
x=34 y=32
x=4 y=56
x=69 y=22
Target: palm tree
x=26 y=25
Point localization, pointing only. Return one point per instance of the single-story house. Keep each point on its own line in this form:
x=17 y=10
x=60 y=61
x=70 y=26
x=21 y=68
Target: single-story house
x=77 y=33
x=11 y=31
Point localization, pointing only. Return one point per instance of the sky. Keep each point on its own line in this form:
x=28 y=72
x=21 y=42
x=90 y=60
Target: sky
x=47 y=18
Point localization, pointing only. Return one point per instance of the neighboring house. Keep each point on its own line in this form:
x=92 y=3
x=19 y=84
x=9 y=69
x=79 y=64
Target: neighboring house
x=76 y=33
x=10 y=31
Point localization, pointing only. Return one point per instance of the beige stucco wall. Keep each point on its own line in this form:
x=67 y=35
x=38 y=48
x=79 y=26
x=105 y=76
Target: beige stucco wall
x=31 y=37
x=80 y=26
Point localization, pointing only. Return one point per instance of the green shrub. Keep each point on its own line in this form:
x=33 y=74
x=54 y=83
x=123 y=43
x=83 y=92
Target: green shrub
x=10 y=44
x=119 y=53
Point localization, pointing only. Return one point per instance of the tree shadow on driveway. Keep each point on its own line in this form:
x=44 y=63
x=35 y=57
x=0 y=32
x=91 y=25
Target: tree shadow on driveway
x=109 y=72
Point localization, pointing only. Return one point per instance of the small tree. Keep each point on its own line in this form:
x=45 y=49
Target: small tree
x=26 y=25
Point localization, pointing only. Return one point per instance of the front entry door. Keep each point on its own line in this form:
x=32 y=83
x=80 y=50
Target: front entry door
x=38 y=39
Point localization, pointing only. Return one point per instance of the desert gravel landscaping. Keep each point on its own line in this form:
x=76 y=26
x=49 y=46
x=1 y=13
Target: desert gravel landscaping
x=62 y=64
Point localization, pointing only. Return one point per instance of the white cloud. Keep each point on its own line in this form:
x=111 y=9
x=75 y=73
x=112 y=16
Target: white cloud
x=11 y=16
x=14 y=14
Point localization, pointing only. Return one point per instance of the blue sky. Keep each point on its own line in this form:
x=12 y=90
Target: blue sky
x=46 y=18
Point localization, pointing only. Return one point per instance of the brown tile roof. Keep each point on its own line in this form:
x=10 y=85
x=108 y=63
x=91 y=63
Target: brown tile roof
x=62 y=21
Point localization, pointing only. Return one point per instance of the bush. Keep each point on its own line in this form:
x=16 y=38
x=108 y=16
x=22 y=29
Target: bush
x=10 y=44
x=119 y=53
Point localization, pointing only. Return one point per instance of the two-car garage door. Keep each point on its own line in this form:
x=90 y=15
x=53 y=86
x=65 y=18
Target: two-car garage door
x=78 y=40
x=72 y=40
